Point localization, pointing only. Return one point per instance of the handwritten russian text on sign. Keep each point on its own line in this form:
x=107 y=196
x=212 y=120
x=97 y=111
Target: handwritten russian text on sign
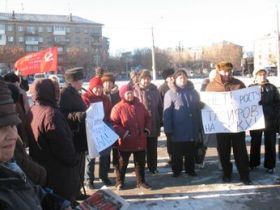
x=99 y=135
x=232 y=112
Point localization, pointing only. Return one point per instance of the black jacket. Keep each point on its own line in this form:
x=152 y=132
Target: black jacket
x=73 y=108
x=270 y=100
x=18 y=192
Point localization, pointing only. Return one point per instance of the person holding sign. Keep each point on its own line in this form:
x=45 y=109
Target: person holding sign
x=270 y=100
x=132 y=123
x=93 y=95
x=181 y=123
x=223 y=82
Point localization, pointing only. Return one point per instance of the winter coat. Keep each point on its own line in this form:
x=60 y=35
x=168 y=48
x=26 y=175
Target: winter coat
x=151 y=99
x=114 y=96
x=163 y=88
x=270 y=101
x=17 y=192
x=89 y=98
x=132 y=117
x=73 y=108
x=51 y=143
x=35 y=172
x=181 y=115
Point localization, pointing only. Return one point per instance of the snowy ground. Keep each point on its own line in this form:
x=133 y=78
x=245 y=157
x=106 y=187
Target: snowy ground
x=207 y=191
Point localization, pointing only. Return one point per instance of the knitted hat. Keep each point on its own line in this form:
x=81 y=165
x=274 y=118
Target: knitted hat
x=180 y=72
x=124 y=89
x=94 y=82
x=108 y=77
x=226 y=66
x=74 y=74
x=167 y=73
x=145 y=73
x=8 y=114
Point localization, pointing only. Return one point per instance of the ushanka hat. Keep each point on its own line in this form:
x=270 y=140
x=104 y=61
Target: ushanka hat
x=167 y=73
x=108 y=76
x=8 y=114
x=74 y=74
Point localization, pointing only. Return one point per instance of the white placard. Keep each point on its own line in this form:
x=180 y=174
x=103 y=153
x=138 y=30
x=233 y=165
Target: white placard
x=232 y=112
x=99 y=135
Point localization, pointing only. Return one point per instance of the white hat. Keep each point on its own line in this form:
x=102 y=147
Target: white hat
x=259 y=69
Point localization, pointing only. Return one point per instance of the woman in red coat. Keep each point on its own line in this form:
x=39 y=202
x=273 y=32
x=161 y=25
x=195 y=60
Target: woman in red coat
x=93 y=95
x=132 y=123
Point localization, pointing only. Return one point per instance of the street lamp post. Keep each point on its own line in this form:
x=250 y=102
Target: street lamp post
x=153 y=56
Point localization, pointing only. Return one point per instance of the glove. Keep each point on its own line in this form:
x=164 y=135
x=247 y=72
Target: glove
x=126 y=134
x=260 y=102
x=147 y=131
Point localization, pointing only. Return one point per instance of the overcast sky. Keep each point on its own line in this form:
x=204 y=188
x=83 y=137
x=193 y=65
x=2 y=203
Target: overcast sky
x=127 y=23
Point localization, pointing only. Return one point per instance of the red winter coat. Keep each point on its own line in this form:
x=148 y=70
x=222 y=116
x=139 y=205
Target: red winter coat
x=89 y=98
x=134 y=117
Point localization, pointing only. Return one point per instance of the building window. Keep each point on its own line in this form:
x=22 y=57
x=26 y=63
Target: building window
x=2 y=27
x=49 y=29
x=31 y=38
x=60 y=49
x=20 y=28
x=40 y=29
x=40 y=39
x=31 y=48
x=30 y=29
x=86 y=31
x=20 y=39
x=78 y=30
x=9 y=28
x=68 y=30
x=10 y=38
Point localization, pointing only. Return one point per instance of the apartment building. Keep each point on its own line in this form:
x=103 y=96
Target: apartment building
x=34 y=32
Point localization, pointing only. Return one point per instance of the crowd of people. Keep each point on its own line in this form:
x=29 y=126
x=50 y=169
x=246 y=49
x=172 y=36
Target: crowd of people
x=53 y=128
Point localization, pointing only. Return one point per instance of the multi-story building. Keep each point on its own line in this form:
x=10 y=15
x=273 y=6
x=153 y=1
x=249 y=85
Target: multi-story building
x=34 y=32
x=265 y=51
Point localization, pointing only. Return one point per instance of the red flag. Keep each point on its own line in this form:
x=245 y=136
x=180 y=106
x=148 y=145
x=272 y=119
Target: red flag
x=39 y=62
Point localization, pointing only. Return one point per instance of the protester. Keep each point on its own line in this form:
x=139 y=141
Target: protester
x=132 y=123
x=134 y=77
x=181 y=123
x=73 y=108
x=16 y=190
x=50 y=140
x=223 y=82
x=168 y=83
x=149 y=95
x=270 y=101
x=99 y=71
x=95 y=94
x=110 y=89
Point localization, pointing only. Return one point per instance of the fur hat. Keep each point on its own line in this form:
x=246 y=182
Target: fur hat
x=74 y=74
x=94 y=82
x=180 y=72
x=145 y=73
x=257 y=70
x=124 y=89
x=167 y=73
x=108 y=77
x=8 y=114
x=227 y=66
x=11 y=77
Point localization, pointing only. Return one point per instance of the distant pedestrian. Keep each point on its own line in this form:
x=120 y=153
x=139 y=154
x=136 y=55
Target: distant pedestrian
x=149 y=95
x=181 y=123
x=270 y=101
x=132 y=123
x=223 y=82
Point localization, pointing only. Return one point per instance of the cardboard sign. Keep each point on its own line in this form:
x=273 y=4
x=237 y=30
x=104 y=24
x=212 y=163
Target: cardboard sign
x=232 y=112
x=99 y=135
